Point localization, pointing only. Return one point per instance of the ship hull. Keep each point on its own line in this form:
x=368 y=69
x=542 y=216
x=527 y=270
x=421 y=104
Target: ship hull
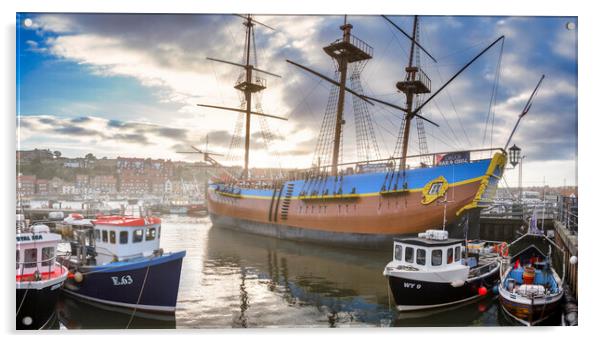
x=354 y=210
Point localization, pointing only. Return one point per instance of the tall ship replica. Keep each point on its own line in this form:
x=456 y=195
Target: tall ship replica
x=363 y=203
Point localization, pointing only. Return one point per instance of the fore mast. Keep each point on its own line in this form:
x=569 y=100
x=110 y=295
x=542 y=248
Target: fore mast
x=248 y=83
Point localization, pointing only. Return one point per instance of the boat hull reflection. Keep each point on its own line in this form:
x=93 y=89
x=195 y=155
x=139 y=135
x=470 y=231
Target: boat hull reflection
x=75 y=313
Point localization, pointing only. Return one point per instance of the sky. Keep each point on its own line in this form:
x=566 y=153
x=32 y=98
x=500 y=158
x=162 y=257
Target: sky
x=128 y=85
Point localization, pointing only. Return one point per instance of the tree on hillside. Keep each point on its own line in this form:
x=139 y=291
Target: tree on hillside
x=57 y=154
x=90 y=156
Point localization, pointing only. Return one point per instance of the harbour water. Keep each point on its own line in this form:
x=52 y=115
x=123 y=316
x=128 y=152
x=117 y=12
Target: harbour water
x=233 y=280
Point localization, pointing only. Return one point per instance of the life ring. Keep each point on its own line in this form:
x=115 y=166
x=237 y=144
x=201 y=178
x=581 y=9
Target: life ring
x=503 y=249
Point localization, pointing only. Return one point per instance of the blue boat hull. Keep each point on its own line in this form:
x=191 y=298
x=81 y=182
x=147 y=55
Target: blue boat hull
x=149 y=284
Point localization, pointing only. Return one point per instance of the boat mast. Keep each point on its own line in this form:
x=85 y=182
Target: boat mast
x=344 y=51
x=410 y=87
x=248 y=85
x=346 y=28
x=248 y=93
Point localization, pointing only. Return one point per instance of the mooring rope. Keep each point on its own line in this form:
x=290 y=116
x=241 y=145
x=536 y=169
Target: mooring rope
x=139 y=297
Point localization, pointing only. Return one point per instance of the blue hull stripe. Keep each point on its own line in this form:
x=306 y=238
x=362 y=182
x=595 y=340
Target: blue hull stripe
x=372 y=182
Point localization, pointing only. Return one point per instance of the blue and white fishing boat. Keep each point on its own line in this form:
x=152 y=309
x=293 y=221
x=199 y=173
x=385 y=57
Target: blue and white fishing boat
x=117 y=261
x=531 y=290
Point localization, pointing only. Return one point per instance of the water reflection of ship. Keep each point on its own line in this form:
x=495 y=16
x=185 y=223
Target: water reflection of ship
x=341 y=282
x=79 y=314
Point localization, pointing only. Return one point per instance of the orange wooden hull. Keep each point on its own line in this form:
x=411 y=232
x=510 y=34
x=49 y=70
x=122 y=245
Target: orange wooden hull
x=393 y=215
x=355 y=209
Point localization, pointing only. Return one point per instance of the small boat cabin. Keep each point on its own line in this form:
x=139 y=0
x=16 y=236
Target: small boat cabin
x=430 y=250
x=36 y=254
x=120 y=238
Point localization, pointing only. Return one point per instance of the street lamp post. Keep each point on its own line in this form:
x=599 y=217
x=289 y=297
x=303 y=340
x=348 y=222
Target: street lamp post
x=520 y=178
x=515 y=158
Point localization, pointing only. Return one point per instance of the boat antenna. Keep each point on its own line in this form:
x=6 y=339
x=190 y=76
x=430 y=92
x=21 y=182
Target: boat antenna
x=524 y=111
x=444 y=202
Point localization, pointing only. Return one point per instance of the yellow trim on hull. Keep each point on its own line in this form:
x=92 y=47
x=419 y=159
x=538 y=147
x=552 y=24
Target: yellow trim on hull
x=498 y=160
x=459 y=183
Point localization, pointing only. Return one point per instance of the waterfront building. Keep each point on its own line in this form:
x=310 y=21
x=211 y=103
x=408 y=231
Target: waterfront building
x=42 y=187
x=26 y=185
x=103 y=184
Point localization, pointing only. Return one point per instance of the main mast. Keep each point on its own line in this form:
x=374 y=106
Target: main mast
x=341 y=100
x=347 y=50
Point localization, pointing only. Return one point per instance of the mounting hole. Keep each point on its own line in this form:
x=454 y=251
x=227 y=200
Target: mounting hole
x=570 y=25
x=27 y=22
x=27 y=320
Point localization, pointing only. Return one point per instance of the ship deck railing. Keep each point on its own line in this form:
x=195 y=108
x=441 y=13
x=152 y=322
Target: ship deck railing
x=350 y=168
x=46 y=271
x=420 y=157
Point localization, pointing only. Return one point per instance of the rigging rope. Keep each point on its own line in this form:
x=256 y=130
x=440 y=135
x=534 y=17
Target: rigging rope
x=493 y=97
x=325 y=141
x=367 y=146
x=438 y=70
x=447 y=123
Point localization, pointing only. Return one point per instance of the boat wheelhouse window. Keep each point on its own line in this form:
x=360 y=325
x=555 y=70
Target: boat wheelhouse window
x=97 y=235
x=47 y=256
x=457 y=252
x=450 y=255
x=105 y=236
x=398 y=251
x=123 y=237
x=138 y=235
x=409 y=255
x=31 y=258
x=437 y=257
x=159 y=232
x=421 y=257
x=113 y=237
x=151 y=233
x=17 y=258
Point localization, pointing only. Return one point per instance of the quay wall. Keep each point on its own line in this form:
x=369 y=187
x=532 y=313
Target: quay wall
x=567 y=239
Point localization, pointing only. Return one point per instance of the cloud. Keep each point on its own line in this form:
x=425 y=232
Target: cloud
x=80 y=119
x=115 y=137
x=168 y=57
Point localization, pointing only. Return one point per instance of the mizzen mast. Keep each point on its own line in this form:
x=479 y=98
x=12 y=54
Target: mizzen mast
x=416 y=82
